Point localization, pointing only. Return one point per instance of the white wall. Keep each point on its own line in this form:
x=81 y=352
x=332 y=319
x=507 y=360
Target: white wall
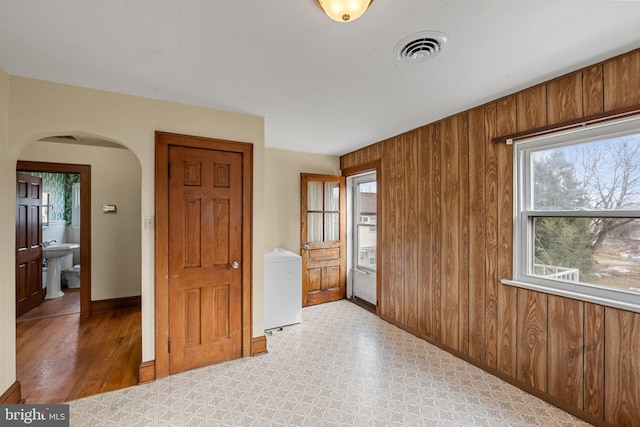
x=282 y=193
x=115 y=238
x=36 y=109
x=7 y=247
x=56 y=230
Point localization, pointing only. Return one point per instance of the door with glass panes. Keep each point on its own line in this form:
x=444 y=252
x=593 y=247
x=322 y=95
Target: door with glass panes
x=365 y=237
x=322 y=238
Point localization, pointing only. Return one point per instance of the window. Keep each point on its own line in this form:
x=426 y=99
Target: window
x=75 y=205
x=577 y=214
x=365 y=238
x=45 y=208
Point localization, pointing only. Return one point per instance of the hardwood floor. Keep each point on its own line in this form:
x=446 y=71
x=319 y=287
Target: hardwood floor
x=69 y=303
x=70 y=356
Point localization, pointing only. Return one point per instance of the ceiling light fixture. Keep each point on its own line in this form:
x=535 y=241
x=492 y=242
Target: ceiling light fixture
x=344 y=10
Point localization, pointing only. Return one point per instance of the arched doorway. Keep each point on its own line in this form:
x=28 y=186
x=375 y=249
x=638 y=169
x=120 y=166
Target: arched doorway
x=109 y=327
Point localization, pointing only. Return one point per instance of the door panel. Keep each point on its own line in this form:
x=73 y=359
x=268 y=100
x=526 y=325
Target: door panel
x=323 y=237
x=205 y=239
x=29 y=292
x=329 y=255
x=333 y=276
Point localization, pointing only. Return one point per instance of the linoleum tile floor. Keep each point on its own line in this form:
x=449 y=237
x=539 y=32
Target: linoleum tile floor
x=342 y=366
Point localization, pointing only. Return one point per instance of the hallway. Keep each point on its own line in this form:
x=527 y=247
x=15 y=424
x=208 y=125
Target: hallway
x=69 y=356
x=69 y=303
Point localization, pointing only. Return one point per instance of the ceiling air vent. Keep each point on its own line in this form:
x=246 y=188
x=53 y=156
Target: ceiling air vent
x=420 y=46
x=61 y=138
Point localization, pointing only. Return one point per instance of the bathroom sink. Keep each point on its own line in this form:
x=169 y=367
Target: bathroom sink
x=58 y=250
x=54 y=254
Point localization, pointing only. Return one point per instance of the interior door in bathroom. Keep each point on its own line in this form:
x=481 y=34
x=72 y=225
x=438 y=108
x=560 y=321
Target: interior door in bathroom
x=28 y=238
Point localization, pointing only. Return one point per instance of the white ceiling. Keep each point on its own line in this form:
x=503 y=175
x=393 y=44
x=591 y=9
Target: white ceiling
x=322 y=86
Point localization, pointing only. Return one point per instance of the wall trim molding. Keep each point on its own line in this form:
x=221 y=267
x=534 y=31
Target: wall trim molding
x=147 y=372
x=116 y=303
x=12 y=396
x=365 y=167
x=513 y=381
x=582 y=122
x=259 y=346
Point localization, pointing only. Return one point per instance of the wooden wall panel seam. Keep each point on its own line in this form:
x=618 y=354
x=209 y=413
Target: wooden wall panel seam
x=491 y=221
x=508 y=119
x=437 y=239
x=410 y=220
x=465 y=220
x=450 y=235
x=477 y=241
x=399 y=276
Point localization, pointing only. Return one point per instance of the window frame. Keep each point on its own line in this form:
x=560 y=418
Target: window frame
x=524 y=215
x=357 y=221
x=45 y=206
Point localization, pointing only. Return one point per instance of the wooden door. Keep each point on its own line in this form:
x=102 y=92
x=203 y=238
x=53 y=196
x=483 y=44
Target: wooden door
x=29 y=292
x=205 y=257
x=323 y=238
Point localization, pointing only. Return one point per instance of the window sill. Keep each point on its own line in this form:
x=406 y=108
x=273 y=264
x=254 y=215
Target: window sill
x=624 y=300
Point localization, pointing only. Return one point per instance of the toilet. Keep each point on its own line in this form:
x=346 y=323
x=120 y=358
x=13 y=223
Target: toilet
x=72 y=276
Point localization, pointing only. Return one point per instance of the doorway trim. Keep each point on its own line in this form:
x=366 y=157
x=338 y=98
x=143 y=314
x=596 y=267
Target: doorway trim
x=375 y=166
x=85 y=218
x=162 y=245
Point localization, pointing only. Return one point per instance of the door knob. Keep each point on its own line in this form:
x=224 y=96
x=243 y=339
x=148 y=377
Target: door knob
x=305 y=247
x=235 y=264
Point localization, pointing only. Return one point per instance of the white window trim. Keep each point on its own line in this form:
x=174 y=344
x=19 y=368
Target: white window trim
x=610 y=297
x=359 y=179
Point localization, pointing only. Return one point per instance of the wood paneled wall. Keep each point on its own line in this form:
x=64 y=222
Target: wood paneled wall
x=447 y=240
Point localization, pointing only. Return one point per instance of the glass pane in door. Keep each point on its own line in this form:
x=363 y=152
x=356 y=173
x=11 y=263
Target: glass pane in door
x=332 y=227
x=314 y=227
x=314 y=196
x=331 y=196
x=365 y=222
